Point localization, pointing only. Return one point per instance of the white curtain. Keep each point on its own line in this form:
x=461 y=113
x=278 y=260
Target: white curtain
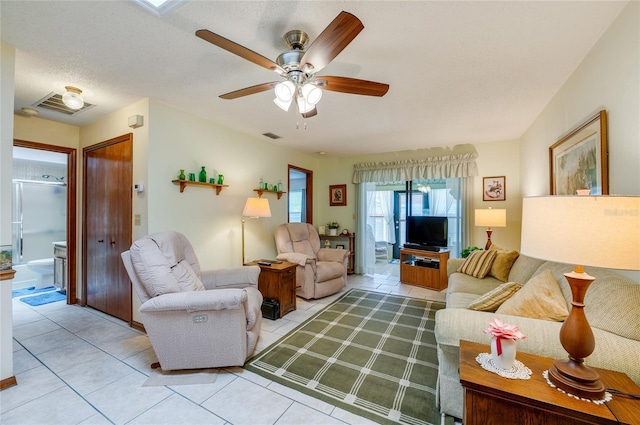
x=365 y=256
x=443 y=167
x=438 y=202
x=386 y=202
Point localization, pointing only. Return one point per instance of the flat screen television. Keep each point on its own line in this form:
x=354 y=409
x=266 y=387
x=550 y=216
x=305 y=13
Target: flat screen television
x=427 y=232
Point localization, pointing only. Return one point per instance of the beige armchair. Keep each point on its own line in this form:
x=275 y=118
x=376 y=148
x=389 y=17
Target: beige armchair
x=320 y=271
x=194 y=319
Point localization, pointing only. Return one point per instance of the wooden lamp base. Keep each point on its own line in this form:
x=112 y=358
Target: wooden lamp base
x=576 y=336
x=488 y=245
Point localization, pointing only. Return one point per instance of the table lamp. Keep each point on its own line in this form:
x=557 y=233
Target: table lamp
x=491 y=218
x=598 y=231
x=254 y=208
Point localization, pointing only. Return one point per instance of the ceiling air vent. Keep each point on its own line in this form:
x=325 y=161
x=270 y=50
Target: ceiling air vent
x=53 y=102
x=271 y=135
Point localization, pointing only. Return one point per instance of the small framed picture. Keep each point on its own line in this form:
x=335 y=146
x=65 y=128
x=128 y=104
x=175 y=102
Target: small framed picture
x=338 y=195
x=494 y=188
x=339 y=246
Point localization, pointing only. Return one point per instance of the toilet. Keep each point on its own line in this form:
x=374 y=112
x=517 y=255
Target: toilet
x=44 y=271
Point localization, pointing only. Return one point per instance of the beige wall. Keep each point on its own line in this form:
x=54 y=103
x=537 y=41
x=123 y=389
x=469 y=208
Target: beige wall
x=7 y=66
x=213 y=223
x=608 y=78
x=44 y=131
x=494 y=159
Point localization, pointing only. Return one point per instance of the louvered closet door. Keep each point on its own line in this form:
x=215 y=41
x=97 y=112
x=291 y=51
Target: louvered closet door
x=107 y=230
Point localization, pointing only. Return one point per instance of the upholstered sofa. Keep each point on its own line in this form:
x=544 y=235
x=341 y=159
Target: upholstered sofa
x=612 y=308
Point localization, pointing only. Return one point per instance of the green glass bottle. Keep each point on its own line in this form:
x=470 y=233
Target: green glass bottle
x=220 y=179
x=202 y=177
x=181 y=176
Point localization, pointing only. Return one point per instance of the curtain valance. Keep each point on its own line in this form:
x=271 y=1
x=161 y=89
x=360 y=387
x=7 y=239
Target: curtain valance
x=442 y=167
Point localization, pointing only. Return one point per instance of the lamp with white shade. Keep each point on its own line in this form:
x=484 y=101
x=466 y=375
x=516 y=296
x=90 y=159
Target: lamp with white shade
x=490 y=218
x=254 y=208
x=598 y=231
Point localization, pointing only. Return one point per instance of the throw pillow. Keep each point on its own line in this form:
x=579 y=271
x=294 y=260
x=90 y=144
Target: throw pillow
x=494 y=298
x=539 y=298
x=478 y=263
x=502 y=264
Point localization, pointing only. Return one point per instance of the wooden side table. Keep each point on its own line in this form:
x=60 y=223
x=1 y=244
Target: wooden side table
x=278 y=282
x=491 y=399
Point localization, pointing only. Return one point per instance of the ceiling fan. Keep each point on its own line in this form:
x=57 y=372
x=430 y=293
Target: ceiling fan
x=299 y=66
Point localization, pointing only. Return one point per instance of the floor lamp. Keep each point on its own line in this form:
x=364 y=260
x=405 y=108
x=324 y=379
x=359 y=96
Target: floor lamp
x=491 y=218
x=254 y=208
x=599 y=231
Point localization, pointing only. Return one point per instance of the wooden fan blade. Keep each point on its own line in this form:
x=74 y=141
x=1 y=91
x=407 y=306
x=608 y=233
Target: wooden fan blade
x=353 y=86
x=249 y=90
x=239 y=50
x=335 y=37
x=311 y=113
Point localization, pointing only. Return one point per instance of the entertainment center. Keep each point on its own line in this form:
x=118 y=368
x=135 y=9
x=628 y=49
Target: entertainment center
x=427 y=269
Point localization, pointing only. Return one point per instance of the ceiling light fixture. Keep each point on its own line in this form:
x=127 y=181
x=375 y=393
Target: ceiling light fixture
x=306 y=94
x=72 y=97
x=30 y=112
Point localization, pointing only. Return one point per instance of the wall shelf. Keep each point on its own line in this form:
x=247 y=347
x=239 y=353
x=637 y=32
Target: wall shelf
x=261 y=191
x=185 y=183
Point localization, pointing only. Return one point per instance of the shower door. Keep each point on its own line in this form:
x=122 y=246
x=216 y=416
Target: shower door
x=39 y=219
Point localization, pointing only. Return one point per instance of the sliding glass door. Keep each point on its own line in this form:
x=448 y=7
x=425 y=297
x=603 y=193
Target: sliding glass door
x=385 y=210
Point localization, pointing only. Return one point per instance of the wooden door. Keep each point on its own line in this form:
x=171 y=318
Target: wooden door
x=108 y=181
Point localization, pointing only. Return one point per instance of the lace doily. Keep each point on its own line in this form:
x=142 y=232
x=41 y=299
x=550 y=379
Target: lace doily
x=517 y=371
x=607 y=394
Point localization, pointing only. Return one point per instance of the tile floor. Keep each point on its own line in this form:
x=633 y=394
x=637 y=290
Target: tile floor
x=76 y=365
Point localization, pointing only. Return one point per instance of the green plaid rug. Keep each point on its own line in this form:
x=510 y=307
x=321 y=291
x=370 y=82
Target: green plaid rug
x=370 y=353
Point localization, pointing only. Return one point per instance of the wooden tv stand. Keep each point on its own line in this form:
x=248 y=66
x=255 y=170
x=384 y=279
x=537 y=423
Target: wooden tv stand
x=427 y=277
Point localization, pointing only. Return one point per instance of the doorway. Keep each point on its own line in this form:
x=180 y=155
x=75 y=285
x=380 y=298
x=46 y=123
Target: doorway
x=108 y=181
x=36 y=154
x=300 y=207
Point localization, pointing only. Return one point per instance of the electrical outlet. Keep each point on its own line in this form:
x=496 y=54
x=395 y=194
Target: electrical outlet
x=136 y=219
x=200 y=318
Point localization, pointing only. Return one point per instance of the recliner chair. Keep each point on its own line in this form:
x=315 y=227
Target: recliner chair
x=194 y=319
x=320 y=271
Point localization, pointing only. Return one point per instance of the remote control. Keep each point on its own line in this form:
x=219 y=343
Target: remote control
x=264 y=263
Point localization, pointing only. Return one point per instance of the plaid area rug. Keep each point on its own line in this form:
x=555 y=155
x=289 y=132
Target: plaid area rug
x=370 y=353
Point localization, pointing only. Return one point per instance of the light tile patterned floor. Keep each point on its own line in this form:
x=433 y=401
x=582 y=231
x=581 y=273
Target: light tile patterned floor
x=75 y=365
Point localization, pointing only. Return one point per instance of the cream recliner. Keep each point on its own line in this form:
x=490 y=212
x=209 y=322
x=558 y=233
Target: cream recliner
x=320 y=271
x=194 y=319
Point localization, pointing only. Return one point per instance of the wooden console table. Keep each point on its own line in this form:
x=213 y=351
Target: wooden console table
x=351 y=239
x=432 y=277
x=491 y=399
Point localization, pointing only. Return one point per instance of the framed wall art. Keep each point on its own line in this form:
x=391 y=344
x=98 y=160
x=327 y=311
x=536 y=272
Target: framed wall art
x=578 y=161
x=338 y=195
x=494 y=188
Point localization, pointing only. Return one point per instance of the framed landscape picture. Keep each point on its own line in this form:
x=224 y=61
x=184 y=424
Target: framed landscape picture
x=494 y=188
x=578 y=161
x=338 y=195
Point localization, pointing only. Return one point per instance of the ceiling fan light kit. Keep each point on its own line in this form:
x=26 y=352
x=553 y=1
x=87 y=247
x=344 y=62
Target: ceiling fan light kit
x=72 y=97
x=299 y=66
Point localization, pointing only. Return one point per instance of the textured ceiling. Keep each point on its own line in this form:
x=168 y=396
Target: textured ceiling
x=459 y=72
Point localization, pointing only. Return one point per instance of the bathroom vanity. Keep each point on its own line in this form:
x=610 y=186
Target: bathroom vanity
x=60 y=266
